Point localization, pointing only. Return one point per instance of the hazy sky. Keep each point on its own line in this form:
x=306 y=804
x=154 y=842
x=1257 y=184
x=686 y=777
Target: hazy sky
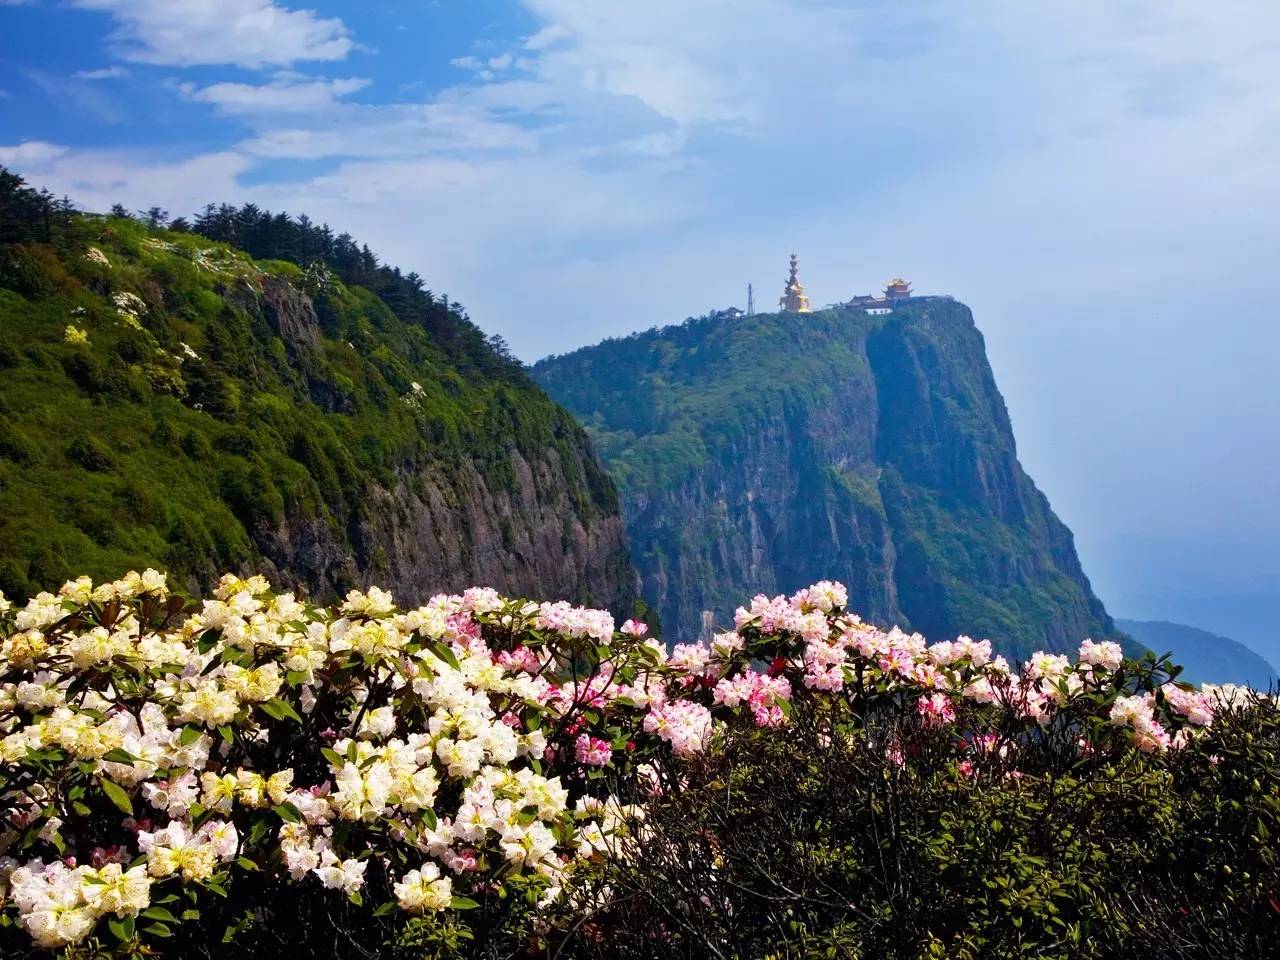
x=1098 y=180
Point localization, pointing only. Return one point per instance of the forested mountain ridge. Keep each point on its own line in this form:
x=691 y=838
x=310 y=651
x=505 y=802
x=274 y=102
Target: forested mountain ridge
x=1204 y=657
x=760 y=453
x=171 y=400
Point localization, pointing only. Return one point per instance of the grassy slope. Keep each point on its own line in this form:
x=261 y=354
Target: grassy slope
x=125 y=451
x=661 y=403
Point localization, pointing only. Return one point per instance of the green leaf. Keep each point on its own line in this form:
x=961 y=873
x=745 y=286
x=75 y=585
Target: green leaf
x=120 y=756
x=227 y=734
x=287 y=811
x=246 y=864
x=332 y=756
x=115 y=793
x=279 y=710
x=157 y=930
x=445 y=654
x=384 y=909
x=429 y=818
x=189 y=736
x=159 y=913
x=463 y=903
x=122 y=928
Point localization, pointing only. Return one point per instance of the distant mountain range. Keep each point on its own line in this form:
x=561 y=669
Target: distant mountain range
x=1250 y=618
x=1205 y=657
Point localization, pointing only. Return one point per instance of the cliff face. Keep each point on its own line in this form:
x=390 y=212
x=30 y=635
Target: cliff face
x=218 y=412
x=447 y=527
x=763 y=453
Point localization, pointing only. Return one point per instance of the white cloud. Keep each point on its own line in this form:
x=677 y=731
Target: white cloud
x=546 y=37
x=402 y=130
x=726 y=62
x=105 y=73
x=95 y=179
x=247 y=33
x=488 y=69
x=283 y=95
x=31 y=154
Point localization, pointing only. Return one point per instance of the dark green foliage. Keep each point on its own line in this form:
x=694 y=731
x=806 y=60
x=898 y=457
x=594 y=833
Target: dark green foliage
x=211 y=404
x=819 y=841
x=267 y=236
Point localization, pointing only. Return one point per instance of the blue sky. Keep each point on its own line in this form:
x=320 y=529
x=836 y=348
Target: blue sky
x=1096 y=179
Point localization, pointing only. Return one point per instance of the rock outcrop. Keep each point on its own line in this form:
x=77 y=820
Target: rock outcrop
x=446 y=527
x=762 y=453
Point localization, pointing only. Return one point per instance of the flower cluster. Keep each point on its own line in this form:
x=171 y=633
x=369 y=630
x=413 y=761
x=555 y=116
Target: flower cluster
x=424 y=758
x=353 y=747
x=129 y=307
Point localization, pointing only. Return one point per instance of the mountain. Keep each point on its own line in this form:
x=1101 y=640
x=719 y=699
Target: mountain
x=1205 y=657
x=170 y=400
x=1249 y=618
x=763 y=452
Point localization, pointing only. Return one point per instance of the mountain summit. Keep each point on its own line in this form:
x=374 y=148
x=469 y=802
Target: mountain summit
x=757 y=453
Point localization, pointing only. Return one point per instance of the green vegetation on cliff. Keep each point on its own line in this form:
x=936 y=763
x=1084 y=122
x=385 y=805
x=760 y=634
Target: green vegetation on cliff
x=168 y=400
x=765 y=452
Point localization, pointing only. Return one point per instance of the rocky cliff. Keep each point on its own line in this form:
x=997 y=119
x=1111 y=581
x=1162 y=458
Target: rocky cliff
x=762 y=453
x=168 y=400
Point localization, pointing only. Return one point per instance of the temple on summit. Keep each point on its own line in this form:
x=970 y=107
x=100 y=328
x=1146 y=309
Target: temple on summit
x=793 y=298
x=896 y=290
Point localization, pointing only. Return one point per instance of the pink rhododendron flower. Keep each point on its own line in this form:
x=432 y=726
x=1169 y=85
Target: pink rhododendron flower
x=1105 y=654
x=1196 y=707
x=935 y=709
x=591 y=751
x=682 y=723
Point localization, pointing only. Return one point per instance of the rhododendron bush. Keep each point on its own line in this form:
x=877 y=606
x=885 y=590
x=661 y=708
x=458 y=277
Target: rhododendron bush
x=177 y=773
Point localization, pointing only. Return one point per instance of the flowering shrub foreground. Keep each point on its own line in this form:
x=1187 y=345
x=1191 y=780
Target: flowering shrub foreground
x=171 y=770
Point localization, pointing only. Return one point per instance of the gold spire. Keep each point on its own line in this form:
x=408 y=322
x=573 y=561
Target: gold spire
x=793 y=298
